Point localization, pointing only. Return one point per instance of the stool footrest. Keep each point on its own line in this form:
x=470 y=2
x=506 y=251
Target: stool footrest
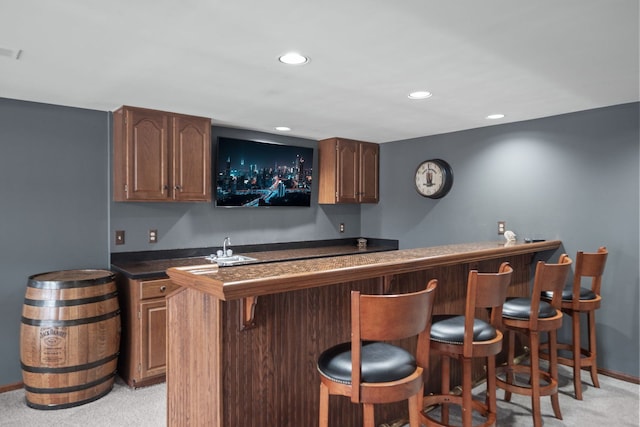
x=548 y=389
x=587 y=358
x=440 y=399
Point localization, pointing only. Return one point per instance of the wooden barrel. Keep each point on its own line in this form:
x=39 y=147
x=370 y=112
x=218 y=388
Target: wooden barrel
x=69 y=337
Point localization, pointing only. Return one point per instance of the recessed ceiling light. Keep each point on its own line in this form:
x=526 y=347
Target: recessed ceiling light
x=420 y=94
x=495 y=116
x=293 y=58
x=282 y=128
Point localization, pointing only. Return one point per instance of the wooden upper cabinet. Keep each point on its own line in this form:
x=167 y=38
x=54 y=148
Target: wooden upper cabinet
x=348 y=171
x=191 y=158
x=369 y=172
x=160 y=156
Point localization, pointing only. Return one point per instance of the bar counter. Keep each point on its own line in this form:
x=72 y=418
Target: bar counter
x=243 y=341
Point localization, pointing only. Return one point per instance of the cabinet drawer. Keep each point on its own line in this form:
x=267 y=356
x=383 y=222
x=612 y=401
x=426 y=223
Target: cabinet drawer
x=156 y=288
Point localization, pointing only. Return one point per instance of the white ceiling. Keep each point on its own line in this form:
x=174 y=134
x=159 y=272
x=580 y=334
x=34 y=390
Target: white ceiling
x=219 y=59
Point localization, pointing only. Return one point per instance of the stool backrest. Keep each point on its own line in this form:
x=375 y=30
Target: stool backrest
x=485 y=290
x=548 y=278
x=589 y=265
x=390 y=317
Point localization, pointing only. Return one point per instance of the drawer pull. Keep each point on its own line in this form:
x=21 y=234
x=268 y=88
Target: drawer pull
x=163 y=288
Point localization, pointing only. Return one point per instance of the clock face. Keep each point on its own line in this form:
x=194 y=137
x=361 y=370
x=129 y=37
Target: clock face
x=433 y=178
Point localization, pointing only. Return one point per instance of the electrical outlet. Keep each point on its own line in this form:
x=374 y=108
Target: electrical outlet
x=119 y=237
x=153 y=236
x=501 y=227
x=342 y=227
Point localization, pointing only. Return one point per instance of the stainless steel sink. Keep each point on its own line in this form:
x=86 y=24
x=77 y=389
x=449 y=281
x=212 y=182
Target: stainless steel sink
x=226 y=261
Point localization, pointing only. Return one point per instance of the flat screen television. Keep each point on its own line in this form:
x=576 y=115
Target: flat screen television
x=255 y=174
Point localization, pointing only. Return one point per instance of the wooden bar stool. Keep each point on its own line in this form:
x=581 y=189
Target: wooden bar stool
x=575 y=301
x=464 y=338
x=531 y=317
x=370 y=370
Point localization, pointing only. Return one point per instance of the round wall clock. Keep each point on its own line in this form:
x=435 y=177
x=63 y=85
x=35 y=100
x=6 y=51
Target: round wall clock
x=434 y=178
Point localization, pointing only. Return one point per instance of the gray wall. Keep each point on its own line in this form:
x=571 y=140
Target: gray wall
x=572 y=177
x=56 y=204
x=197 y=225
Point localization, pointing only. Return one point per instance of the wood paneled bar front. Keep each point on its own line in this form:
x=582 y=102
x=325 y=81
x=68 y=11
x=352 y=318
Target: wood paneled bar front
x=243 y=341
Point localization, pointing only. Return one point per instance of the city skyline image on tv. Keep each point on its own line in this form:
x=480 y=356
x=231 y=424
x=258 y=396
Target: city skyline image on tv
x=254 y=174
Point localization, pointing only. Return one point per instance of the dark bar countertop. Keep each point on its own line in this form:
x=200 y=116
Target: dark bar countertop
x=154 y=264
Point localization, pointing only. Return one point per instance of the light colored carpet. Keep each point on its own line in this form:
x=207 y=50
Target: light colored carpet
x=616 y=403
x=122 y=407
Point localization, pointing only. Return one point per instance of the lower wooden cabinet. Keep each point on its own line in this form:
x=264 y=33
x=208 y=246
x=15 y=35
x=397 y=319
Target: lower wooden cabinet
x=143 y=350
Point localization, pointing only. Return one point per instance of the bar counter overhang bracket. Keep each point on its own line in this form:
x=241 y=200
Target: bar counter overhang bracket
x=248 y=312
x=387 y=282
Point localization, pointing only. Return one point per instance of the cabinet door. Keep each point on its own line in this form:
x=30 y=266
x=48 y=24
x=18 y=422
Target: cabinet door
x=191 y=158
x=347 y=166
x=369 y=166
x=153 y=338
x=147 y=160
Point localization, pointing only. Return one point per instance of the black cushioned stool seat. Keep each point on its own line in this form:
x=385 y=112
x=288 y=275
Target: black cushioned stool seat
x=449 y=328
x=567 y=294
x=519 y=308
x=381 y=362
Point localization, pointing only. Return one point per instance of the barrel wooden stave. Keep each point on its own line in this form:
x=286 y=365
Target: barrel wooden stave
x=70 y=337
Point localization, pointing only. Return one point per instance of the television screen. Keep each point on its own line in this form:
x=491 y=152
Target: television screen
x=251 y=173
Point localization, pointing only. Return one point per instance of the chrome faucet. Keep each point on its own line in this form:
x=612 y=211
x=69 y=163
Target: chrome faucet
x=224 y=245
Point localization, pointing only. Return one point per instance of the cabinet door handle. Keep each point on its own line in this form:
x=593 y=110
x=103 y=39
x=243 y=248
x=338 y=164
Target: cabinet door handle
x=163 y=288
x=177 y=187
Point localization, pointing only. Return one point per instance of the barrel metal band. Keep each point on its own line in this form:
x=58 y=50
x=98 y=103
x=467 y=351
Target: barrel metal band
x=66 y=284
x=70 y=389
x=48 y=323
x=68 y=369
x=69 y=302
x=68 y=405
